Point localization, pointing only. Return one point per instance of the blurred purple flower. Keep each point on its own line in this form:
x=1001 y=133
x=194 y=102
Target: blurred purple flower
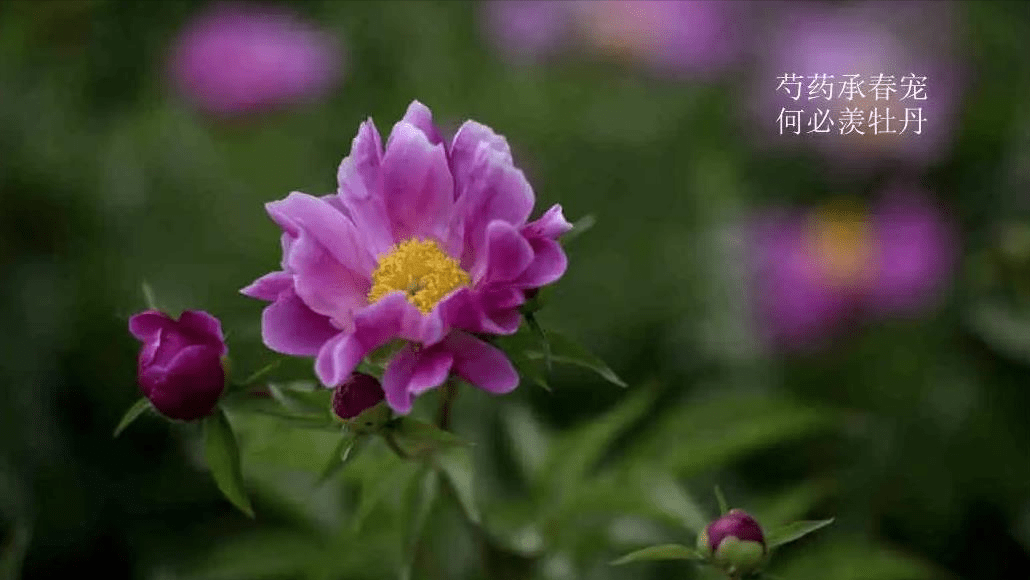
x=817 y=271
x=180 y=365
x=527 y=29
x=239 y=57
x=672 y=36
x=427 y=242
x=864 y=38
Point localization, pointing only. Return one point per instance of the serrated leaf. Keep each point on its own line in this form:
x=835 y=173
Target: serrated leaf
x=663 y=552
x=420 y=439
x=565 y=350
x=456 y=466
x=223 y=459
x=138 y=408
x=794 y=531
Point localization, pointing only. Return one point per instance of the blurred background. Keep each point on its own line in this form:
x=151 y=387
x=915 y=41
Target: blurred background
x=825 y=325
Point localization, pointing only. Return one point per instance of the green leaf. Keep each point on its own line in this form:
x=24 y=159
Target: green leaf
x=456 y=465
x=12 y=553
x=338 y=458
x=794 y=531
x=148 y=296
x=297 y=398
x=565 y=350
x=663 y=552
x=579 y=227
x=138 y=408
x=419 y=498
x=544 y=342
x=421 y=439
x=261 y=372
x=223 y=458
x=723 y=506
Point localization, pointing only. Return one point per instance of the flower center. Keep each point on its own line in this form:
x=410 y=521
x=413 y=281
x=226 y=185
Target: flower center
x=421 y=270
x=843 y=244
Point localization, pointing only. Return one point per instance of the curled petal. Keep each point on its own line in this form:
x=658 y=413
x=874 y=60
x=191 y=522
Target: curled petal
x=550 y=225
x=549 y=264
x=290 y=327
x=411 y=373
x=145 y=325
x=269 y=286
x=481 y=364
x=421 y=117
x=302 y=213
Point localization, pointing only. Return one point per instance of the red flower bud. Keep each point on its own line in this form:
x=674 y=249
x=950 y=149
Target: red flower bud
x=355 y=395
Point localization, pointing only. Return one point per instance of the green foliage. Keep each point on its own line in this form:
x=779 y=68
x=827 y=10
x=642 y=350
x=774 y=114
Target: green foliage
x=223 y=459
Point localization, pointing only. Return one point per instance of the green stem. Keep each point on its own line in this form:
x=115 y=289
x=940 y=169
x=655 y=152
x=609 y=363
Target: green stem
x=391 y=442
x=443 y=413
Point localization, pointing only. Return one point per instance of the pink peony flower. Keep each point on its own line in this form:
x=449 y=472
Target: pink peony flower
x=239 y=57
x=671 y=36
x=425 y=241
x=914 y=39
x=818 y=271
x=180 y=364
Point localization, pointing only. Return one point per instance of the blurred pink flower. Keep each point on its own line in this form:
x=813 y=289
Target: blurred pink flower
x=239 y=57
x=671 y=36
x=820 y=270
x=865 y=38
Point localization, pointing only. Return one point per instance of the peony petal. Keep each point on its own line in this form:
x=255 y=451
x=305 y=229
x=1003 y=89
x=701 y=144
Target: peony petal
x=412 y=373
x=549 y=264
x=493 y=189
x=360 y=189
x=464 y=309
x=290 y=327
x=466 y=143
x=189 y=386
x=417 y=187
x=326 y=287
x=145 y=325
x=269 y=286
x=550 y=225
x=375 y=325
x=301 y=212
x=421 y=117
x=481 y=364
x=204 y=326
x=507 y=255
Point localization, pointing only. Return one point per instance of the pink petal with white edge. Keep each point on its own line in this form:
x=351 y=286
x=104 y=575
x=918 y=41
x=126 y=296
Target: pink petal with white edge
x=290 y=327
x=481 y=364
x=411 y=373
x=417 y=186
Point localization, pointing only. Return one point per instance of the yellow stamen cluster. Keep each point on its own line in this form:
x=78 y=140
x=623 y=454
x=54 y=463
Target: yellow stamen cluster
x=843 y=241
x=421 y=270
